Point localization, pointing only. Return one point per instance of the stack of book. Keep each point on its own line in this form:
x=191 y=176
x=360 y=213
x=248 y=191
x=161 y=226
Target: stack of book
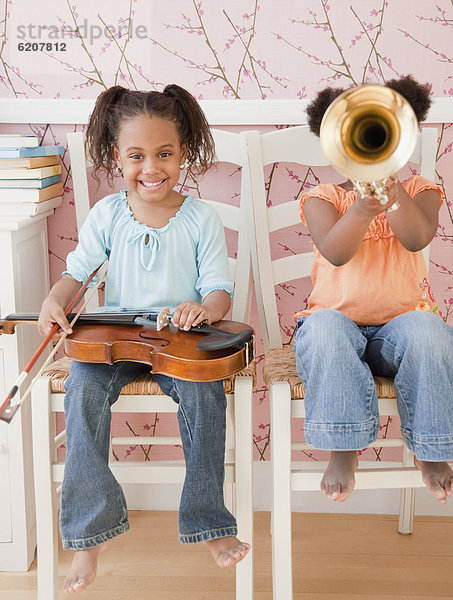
x=29 y=176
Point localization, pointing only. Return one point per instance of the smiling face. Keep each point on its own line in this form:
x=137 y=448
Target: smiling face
x=150 y=153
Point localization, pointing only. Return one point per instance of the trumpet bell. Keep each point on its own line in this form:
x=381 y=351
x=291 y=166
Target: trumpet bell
x=369 y=133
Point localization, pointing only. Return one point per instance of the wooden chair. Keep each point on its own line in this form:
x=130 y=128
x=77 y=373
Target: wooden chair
x=144 y=396
x=298 y=145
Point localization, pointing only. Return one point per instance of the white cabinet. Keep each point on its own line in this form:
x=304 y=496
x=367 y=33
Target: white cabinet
x=24 y=283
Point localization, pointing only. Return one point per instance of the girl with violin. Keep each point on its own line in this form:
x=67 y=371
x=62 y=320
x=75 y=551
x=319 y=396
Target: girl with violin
x=164 y=249
x=371 y=312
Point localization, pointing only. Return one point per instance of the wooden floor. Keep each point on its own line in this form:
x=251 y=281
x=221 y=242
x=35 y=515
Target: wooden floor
x=335 y=557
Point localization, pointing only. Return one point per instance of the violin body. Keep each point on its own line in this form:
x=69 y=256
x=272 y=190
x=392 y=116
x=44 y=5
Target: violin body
x=170 y=351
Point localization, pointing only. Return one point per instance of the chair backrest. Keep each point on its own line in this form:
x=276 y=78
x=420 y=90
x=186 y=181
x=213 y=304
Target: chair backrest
x=293 y=145
x=230 y=148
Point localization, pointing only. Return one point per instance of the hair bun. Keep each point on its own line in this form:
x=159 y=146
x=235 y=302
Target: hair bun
x=417 y=94
x=316 y=109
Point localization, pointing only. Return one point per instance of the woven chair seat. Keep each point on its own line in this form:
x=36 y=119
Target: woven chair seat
x=280 y=365
x=58 y=372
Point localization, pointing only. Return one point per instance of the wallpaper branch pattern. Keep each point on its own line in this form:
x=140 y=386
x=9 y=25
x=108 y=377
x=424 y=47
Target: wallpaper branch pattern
x=231 y=49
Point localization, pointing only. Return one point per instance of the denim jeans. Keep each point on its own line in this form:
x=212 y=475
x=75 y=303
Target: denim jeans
x=336 y=360
x=93 y=507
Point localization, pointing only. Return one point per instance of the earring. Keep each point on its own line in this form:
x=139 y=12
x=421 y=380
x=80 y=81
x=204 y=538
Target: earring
x=183 y=166
x=119 y=170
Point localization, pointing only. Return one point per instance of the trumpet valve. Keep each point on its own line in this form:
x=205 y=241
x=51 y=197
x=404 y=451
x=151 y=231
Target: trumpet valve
x=376 y=188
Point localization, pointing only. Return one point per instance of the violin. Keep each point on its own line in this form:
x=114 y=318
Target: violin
x=204 y=353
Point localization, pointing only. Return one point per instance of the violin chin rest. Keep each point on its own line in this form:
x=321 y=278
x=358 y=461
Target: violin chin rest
x=221 y=341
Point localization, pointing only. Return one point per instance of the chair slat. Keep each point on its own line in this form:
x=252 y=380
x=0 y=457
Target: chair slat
x=294 y=144
x=284 y=269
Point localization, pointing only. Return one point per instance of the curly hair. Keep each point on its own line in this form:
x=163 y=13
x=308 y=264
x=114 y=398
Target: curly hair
x=117 y=105
x=316 y=109
x=415 y=93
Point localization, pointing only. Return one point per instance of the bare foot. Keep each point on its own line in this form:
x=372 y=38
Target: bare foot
x=83 y=568
x=227 y=551
x=438 y=478
x=338 y=480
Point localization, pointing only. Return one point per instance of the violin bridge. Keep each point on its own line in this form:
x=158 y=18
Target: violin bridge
x=163 y=318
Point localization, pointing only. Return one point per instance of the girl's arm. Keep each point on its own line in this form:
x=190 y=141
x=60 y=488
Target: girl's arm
x=52 y=310
x=416 y=220
x=214 y=307
x=338 y=238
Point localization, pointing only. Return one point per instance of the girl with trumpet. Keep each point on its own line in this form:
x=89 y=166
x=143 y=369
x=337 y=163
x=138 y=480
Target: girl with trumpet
x=371 y=312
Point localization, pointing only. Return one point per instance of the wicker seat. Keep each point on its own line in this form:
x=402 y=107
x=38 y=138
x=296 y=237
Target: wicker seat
x=144 y=385
x=280 y=365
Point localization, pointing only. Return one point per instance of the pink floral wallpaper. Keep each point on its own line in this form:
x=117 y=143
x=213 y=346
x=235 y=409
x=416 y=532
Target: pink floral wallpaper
x=231 y=50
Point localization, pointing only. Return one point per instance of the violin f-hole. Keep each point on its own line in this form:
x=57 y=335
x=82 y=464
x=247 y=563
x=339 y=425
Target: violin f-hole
x=147 y=335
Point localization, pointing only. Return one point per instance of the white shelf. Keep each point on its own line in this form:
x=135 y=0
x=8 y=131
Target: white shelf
x=25 y=283
x=218 y=112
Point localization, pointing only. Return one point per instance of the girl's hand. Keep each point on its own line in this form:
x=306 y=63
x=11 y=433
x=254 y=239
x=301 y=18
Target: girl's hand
x=52 y=312
x=190 y=314
x=395 y=192
x=371 y=206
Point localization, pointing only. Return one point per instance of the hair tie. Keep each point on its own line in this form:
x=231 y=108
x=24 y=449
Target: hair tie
x=168 y=91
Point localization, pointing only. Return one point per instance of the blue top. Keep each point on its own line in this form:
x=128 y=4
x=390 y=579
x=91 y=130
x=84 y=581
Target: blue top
x=152 y=268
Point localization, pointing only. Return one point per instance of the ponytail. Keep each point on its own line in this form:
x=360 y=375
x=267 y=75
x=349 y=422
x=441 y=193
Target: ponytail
x=417 y=94
x=193 y=127
x=102 y=130
x=316 y=109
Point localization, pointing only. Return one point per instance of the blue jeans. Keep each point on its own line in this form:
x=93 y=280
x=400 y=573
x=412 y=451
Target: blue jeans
x=336 y=360
x=93 y=507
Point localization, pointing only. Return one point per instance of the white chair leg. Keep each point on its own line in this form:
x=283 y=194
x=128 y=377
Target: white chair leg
x=280 y=404
x=407 y=498
x=229 y=489
x=46 y=508
x=244 y=482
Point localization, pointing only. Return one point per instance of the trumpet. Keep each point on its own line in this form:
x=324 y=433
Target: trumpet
x=368 y=134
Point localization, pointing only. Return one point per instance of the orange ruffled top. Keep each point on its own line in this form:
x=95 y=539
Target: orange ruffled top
x=382 y=280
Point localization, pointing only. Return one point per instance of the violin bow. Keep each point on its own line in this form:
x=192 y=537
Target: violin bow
x=8 y=409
